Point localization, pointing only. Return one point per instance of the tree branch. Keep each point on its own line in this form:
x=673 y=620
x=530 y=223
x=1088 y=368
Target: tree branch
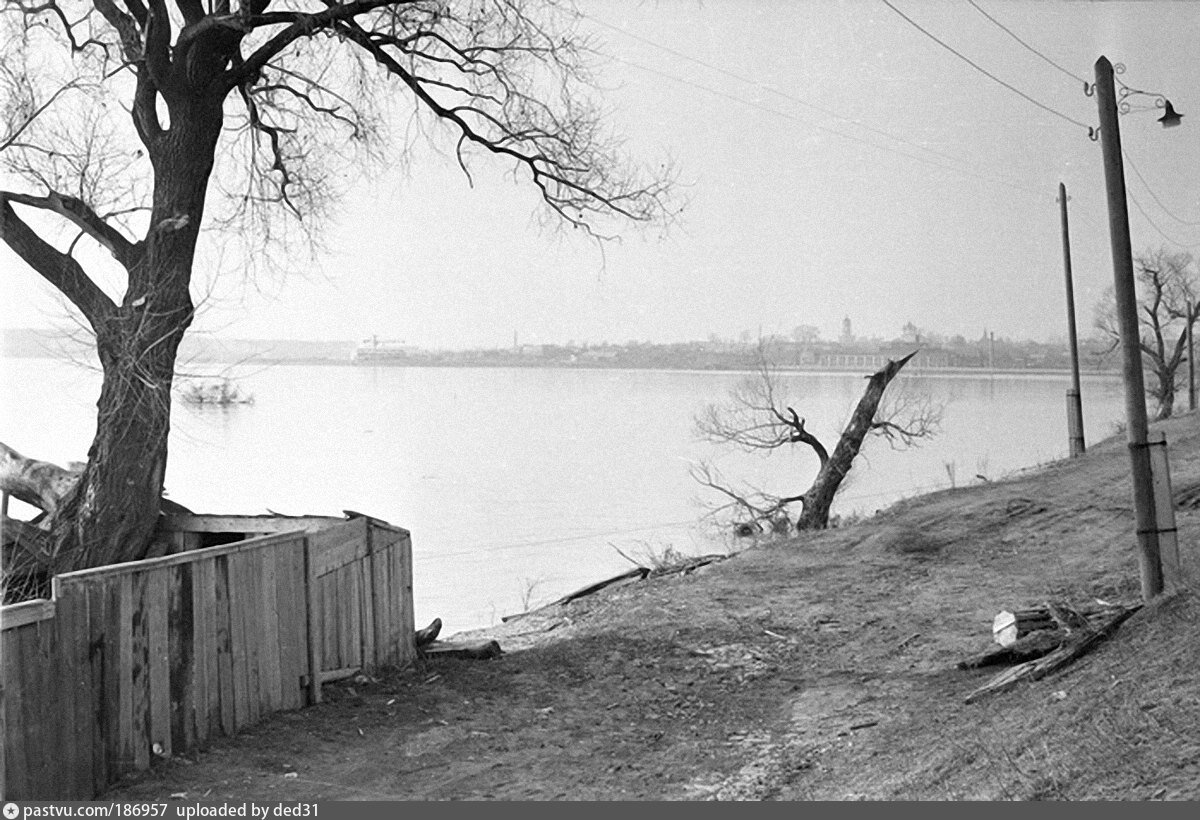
x=78 y=213
x=57 y=268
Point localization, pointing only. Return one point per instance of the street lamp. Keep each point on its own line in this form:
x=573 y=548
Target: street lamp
x=1145 y=516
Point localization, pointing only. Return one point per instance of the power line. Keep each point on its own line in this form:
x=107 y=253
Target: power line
x=1154 y=196
x=735 y=98
x=981 y=69
x=1154 y=224
x=770 y=89
x=1010 y=33
x=1128 y=158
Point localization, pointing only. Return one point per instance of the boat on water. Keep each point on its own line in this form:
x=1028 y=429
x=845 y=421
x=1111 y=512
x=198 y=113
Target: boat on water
x=218 y=392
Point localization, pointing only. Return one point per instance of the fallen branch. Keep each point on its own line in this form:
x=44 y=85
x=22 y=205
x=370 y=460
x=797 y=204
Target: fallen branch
x=1030 y=647
x=482 y=650
x=1076 y=647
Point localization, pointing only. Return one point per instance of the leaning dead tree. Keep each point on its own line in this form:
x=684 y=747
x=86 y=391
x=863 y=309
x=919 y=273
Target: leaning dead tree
x=757 y=417
x=137 y=136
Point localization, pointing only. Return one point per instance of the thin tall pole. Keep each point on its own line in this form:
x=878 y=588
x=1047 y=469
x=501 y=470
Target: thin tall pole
x=1191 y=359
x=1145 y=519
x=1074 y=397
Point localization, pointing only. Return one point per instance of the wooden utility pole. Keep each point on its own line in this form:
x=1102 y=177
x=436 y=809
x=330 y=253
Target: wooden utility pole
x=1074 y=397
x=1145 y=519
x=1191 y=360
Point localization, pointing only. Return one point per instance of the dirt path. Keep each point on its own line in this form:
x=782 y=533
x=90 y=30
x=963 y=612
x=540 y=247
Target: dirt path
x=814 y=668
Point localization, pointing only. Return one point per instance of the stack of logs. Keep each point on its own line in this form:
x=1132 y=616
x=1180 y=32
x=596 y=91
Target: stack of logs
x=1043 y=640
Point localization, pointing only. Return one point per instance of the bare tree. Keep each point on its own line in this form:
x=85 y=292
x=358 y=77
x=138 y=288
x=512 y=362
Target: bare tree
x=757 y=417
x=1167 y=306
x=130 y=125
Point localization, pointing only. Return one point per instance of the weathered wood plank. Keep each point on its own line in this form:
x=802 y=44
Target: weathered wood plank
x=366 y=573
x=101 y=659
x=181 y=655
x=13 y=616
x=407 y=649
x=271 y=694
x=380 y=611
x=140 y=629
x=123 y=623
x=160 y=670
x=205 y=707
x=15 y=766
x=353 y=607
x=328 y=621
x=244 y=523
x=334 y=547
x=254 y=637
x=286 y=613
x=150 y=564
x=313 y=640
x=227 y=679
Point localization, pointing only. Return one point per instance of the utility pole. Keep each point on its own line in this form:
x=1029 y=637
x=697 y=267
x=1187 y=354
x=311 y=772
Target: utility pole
x=1191 y=359
x=1146 y=521
x=1074 y=397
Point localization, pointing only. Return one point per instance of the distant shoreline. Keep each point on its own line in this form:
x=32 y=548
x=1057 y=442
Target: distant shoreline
x=911 y=370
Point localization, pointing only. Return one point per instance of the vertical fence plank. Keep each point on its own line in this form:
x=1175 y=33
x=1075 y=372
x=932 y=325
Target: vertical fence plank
x=181 y=653
x=367 y=606
x=9 y=680
x=35 y=732
x=16 y=759
x=313 y=641
x=354 y=639
x=252 y=630
x=140 y=664
x=298 y=621
x=270 y=694
x=203 y=670
x=404 y=600
x=379 y=609
x=158 y=593
x=237 y=640
x=226 y=678
x=122 y=622
x=101 y=659
x=328 y=621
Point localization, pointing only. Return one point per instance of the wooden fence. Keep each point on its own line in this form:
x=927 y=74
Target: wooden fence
x=130 y=662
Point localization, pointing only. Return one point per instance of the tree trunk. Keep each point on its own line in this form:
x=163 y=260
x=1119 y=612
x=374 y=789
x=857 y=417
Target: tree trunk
x=819 y=497
x=111 y=514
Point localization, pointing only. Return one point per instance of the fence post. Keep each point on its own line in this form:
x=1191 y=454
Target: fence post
x=1164 y=508
x=314 y=635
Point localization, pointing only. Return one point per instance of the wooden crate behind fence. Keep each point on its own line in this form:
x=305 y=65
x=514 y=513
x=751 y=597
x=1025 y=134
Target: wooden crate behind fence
x=153 y=658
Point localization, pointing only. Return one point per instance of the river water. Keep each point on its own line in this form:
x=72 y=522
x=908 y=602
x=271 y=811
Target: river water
x=520 y=485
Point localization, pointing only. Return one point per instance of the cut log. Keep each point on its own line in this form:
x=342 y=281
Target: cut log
x=1033 y=645
x=1010 y=626
x=1078 y=645
x=482 y=650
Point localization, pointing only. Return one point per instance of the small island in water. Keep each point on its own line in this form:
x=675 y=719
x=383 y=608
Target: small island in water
x=219 y=392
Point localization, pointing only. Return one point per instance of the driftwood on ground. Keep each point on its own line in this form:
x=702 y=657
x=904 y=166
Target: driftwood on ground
x=1033 y=645
x=1010 y=625
x=1076 y=644
x=481 y=650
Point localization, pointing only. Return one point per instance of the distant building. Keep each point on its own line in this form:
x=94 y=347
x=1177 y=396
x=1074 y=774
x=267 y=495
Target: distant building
x=847 y=336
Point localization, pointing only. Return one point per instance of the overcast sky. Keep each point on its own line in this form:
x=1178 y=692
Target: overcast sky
x=839 y=162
